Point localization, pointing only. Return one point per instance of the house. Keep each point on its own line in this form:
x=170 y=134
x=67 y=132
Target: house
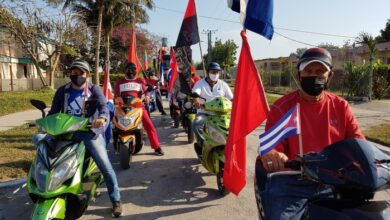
x=14 y=62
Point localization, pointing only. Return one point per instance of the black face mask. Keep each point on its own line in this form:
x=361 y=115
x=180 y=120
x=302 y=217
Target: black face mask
x=313 y=85
x=78 y=80
x=130 y=75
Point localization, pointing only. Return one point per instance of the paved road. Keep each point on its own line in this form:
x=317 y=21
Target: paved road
x=174 y=186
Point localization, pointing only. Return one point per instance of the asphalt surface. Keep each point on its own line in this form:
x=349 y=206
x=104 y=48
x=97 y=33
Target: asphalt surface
x=174 y=186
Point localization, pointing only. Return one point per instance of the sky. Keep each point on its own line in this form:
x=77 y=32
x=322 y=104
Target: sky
x=336 y=21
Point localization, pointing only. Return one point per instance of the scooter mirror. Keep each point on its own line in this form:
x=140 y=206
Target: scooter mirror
x=39 y=105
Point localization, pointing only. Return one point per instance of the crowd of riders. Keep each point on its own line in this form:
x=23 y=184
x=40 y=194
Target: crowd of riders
x=314 y=75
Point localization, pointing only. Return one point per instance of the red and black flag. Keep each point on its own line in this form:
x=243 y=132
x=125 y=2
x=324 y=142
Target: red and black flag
x=189 y=34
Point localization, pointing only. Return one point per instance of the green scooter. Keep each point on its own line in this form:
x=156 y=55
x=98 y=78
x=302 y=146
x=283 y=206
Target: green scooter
x=211 y=151
x=63 y=177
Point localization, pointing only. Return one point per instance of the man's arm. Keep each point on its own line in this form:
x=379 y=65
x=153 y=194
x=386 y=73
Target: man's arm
x=352 y=130
x=58 y=101
x=101 y=103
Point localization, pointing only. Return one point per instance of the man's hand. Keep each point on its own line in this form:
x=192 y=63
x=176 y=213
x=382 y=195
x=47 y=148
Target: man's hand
x=273 y=161
x=197 y=103
x=99 y=122
x=147 y=99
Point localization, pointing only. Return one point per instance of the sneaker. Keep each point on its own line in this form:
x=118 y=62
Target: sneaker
x=159 y=151
x=163 y=113
x=117 y=209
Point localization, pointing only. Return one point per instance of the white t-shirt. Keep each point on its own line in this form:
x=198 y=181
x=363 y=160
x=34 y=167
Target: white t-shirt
x=220 y=89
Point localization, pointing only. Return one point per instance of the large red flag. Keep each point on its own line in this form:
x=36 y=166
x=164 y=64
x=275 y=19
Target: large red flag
x=132 y=51
x=173 y=67
x=246 y=116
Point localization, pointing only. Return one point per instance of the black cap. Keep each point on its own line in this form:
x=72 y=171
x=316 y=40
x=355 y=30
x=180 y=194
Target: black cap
x=316 y=54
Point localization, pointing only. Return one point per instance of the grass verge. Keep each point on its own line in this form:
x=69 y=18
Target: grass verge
x=16 y=152
x=379 y=134
x=12 y=102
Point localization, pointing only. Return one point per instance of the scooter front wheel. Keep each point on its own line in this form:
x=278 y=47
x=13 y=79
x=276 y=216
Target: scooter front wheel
x=125 y=155
x=221 y=187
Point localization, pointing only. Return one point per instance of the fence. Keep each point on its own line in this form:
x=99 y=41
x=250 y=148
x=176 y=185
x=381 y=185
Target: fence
x=28 y=84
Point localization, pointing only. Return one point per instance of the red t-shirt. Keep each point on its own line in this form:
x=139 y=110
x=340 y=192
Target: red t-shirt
x=135 y=87
x=195 y=78
x=322 y=123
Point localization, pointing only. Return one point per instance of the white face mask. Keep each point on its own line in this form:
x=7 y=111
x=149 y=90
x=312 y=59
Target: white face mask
x=214 y=77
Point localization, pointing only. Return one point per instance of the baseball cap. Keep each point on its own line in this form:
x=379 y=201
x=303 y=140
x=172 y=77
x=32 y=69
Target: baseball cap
x=81 y=64
x=312 y=55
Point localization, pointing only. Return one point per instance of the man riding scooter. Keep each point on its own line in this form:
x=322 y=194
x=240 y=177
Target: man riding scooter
x=70 y=99
x=131 y=85
x=153 y=80
x=208 y=88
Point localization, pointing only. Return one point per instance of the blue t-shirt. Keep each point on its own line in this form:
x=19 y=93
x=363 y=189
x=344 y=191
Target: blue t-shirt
x=75 y=102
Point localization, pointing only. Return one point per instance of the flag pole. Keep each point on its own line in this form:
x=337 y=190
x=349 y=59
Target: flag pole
x=300 y=131
x=200 y=48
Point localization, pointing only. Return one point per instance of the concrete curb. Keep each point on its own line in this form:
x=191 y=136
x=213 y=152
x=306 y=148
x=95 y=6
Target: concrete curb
x=13 y=183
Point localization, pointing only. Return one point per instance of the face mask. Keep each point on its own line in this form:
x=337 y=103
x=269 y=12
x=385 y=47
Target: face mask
x=313 y=85
x=78 y=80
x=130 y=75
x=214 y=77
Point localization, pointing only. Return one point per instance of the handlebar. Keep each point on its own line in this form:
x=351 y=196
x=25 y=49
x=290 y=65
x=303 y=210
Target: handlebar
x=293 y=164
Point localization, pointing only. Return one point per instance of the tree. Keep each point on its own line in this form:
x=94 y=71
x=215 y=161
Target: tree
x=328 y=46
x=298 y=53
x=385 y=33
x=224 y=53
x=367 y=40
x=38 y=35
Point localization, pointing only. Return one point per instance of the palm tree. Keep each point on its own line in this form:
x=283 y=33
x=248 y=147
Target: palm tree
x=366 y=39
x=122 y=13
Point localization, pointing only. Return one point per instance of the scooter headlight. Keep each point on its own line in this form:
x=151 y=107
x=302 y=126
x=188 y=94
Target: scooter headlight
x=63 y=172
x=216 y=135
x=188 y=105
x=40 y=173
x=125 y=121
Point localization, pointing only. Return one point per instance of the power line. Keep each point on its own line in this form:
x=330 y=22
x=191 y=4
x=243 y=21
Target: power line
x=281 y=28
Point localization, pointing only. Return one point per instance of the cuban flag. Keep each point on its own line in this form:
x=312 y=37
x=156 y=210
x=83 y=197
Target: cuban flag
x=255 y=15
x=288 y=125
x=107 y=91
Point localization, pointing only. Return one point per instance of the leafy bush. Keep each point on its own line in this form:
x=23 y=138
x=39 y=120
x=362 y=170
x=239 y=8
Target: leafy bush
x=381 y=80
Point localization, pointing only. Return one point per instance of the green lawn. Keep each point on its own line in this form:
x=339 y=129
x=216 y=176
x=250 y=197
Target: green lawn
x=12 y=102
x=16 y=152
x=379 y=134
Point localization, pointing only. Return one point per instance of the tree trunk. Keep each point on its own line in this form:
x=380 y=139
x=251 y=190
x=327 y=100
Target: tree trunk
x=53 y=69
x=107 y=63
x=35 y=62
x=97 y=51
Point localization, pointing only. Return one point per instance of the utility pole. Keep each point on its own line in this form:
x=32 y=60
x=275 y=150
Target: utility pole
x=209 y=43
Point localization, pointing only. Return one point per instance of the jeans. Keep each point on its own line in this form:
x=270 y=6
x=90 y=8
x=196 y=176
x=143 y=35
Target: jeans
x=198 y=126
x=96 y=147
x=286 y=196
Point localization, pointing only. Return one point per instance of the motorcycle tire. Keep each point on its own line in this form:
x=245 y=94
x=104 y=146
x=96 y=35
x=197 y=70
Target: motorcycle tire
x=125 y=154
x=260 y=209
x=190 y=132
x=138 y=142
x=221 y=187
x=176 y=120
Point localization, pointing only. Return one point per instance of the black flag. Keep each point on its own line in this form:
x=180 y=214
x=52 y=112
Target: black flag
x=188 y=34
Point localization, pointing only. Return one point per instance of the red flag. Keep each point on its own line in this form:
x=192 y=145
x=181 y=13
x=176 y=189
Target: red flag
x=107 y=90
x=173 y=67
x=132 y=51
x=189 y=33
x=246 y=116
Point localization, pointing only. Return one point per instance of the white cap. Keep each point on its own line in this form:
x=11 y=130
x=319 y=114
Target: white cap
x=305 y=64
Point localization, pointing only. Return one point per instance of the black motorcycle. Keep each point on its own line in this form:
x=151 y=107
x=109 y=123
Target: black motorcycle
x=353 y=169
